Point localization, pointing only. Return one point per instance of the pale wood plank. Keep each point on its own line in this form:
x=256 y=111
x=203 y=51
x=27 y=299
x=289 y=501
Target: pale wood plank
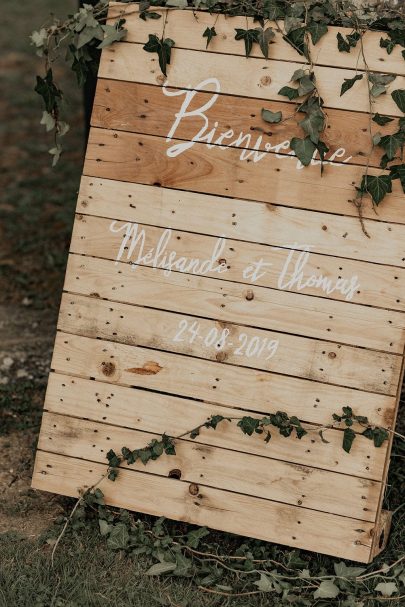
x=143 y=159
x=215 y=467
x=228 y=305
x=257 y=78
x=143 y=108
x=352 y=367
x=227 y=511
x=244 y=220
x=187 y=27
x=155 y=412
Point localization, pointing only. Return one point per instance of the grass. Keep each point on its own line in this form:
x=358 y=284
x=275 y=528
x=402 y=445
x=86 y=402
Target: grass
x=36 y=213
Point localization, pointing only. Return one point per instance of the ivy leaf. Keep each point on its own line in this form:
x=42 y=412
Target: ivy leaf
x=249 y=37
x=296 y=38
x=264 y=583
x=316 y=31
x=342 y=570
x=288 y=91
x=249 y=425
x=386 y=588
x=264 y=39
x=163 y=48
x=119 y=537
x=271 y=117
x=313 y=124
x=399 y=98
x=145 y=15
x=348 y=437
x=381 y=120
x=398 y=172
x=349 y=82
x=177 y=3
x=377 y=186
x=297 y=75
x=209 y=33
x=194 y=537
x=113 y=460
x=305 y=86
x=48 y=121
x=391 y=144
x=160 y=568
x=56 y=153
x=346 y=44
x=49 y=92
x=323 y=439
x=112 y=33
x=104 y=527
x=326 y=590
x=303 y=148
x=377 y=435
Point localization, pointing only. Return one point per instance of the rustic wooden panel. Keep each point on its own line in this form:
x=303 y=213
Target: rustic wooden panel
x=227 y=511
x=244 y=220
x=139 y=108
x=233 y=306
x=141 y=351
x=187 y=27
x=248 y=390
x=257 y=78
x=216 y=467
x=143 y=159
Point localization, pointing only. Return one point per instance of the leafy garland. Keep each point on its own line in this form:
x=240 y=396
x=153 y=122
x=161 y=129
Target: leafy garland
x=285 y=424
x=300 y=22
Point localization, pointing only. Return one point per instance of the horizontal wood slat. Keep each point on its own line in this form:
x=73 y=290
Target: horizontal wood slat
x=215 y=467
x=143 y=159
x=144 y=410
x=187 y=27
x=230 y=304
x=264 y=223
x=257 y=78
x=227 y=511
x=139 y=108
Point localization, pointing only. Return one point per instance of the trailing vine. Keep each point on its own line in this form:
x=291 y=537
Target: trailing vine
x=286 y=425
x=302 y=23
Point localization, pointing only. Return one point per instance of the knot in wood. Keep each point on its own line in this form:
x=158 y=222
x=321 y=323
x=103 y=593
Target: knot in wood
x=194 y=489
x=249 y=295
x=107 y=368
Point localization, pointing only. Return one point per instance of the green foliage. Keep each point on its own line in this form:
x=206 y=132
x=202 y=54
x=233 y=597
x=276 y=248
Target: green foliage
x=348 y=83
x=271 y=117
x=249 y=36
x=163 y=48
x=209 y=33
x=345 y=44
x=375 y=433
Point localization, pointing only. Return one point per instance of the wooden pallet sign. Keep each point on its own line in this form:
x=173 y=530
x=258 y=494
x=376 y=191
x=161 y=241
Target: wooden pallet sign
x=211 y=274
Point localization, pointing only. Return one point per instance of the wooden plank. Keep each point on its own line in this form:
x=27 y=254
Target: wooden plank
x=227 y=511
x=257 y=78
x=143 y=108
x=216 y=467
x=144 y=410
x=187 y=27
x=261 y=223
x=143 y=159
x=351 y=367
x=231 y=306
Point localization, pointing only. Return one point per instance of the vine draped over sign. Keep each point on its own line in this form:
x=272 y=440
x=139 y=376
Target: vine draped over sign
x=301 y=23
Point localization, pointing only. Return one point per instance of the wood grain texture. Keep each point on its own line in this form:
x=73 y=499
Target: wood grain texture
x=256 y=78
x=217 y=509
x=247 y=390
x=210 y=466
x=187 y=27
x=243 y=220
x=143 y=159
x=229 y=305
x=142 y=108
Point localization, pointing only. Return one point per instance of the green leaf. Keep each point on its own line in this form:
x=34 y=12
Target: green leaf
x=249 y=36
x=398 y=172
x=305 y=86
x=386 y=588
x=264 y=39
x=313 y=124
x=377 y=435
x=323 y=439
x=303 y=148
x=348 y=437
x=399 y=98
x=346 y=44
x=209 y=33
x=271 y=117
x=326 y=590
x=49 y=92
x=348 y=83
x=160 y=568
x=105 y=528
x=112 y=33
x=342 y=570
x=264 y=583
x=378 y=186
x=144 y=15
x=288 y=91
x=391 y=144
x=48 y=121
x=194 y=537
x=316 y=31
x=177 y=3
x=118 y=538
x=214 y=420
x=38 y=38
x=297 y=75
x=381 y=120
x=296 y=38
x=163 y=49
x=56 y=153
x=248 y=425
x=113 y=459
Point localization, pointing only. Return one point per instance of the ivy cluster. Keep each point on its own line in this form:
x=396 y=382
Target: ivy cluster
x=286 y=425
